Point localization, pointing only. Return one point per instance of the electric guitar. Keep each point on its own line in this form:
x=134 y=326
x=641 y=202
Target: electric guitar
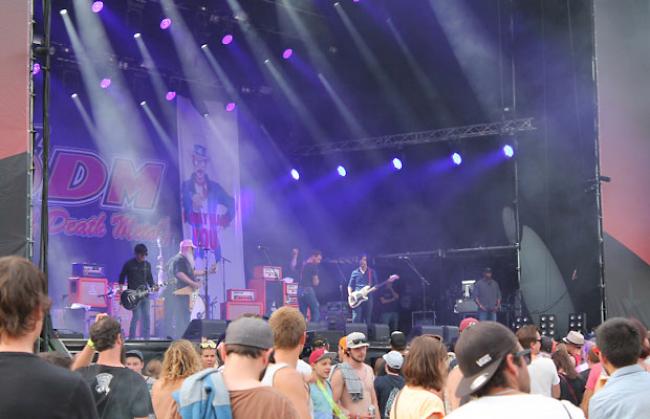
x=356 y=298
x=130 y=298
x=197 y=306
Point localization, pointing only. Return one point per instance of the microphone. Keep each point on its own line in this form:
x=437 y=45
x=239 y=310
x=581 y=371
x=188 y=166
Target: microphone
x=261 y=247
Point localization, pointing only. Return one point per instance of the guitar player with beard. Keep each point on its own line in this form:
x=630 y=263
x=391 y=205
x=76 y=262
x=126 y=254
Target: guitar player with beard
x=137 y=273
x=361 y=277
x=180 y=268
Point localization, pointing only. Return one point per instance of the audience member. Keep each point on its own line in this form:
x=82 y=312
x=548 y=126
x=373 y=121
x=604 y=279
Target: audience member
x=645 y=343
x=454 y=377
x=574 y=342
x=387 y=386
x=180 y=361
x=572 y=385
x=56 y=358
x=425 y=372
x=289 y=335
x=543 y=375
x=546 y=347
x=593 y=378
x=495 y=371
x=118 y=391
x=627 y=391
x=135 y=362
x=397 y=343
x=208 y=350
x=320 y=389
x=31 y=387
x=352 y=381
x=341 y=357
x=153 y=368
x=237 y=391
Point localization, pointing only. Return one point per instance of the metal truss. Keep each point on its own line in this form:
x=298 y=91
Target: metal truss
x=508 y=127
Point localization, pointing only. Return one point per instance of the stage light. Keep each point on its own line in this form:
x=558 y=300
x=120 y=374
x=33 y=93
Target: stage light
x=295 y=175
x=170 y=95
x=457 y=159
x=74 y=95
x=227 y=39
x=97 y=6
x=143 y=103
x=165 y=23
x=397 y=163
x=547 y=325
x=508 y=151
x=287 y=53
x=578 y=322
x=105 y=83
x=36 y=68
x=230 y=106
x=204 y=46
x=341 y=171
x=137 y=35
x=519 y=322
x=63 y=12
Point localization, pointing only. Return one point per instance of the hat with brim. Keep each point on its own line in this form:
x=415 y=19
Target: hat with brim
x=320 y=354
x=479 y=351
x=574 y=338
x=356 y=340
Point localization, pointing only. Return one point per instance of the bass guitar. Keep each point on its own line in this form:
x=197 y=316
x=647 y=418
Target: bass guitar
x=357 y=298
x=130 y=298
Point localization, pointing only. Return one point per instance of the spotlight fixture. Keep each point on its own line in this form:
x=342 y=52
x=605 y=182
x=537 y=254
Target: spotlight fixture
x=170 y=95
x=137 y=35
x=508 y=151
x=97 y=6
x=63 y=12
x=165 y=23
x=230 y=106
x=227 y=39
x=105 y=83
x=578 y=322
x=36 y=68
x=287 y=53
x=295 y=174
x=143 y=103
x=204 y=46
x=519 y=322
x=341 y=171
x=397 y=163
x=456 y=158
x=74 y=95
x=547 y=325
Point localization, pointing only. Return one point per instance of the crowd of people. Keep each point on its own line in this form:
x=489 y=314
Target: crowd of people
x=256 y=370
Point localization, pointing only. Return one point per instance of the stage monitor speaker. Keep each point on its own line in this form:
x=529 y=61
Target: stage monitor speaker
x=356 y=327
x=316 y=327
x=450 y=334
x=426 y=330
x=211 y=329
x=379 y=332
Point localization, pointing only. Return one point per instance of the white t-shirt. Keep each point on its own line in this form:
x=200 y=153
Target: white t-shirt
x=543 y=375
x=303 y=368
x=518 y=406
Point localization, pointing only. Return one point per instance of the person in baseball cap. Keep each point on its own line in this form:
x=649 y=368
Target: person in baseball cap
x=389 y=383
x=320 y=390
x=356 y=340
x=467 y=322
x=494 y=364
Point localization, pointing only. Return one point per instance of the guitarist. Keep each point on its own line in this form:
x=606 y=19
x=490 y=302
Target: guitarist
x=180 y=268
x=359 y=278
x=137 y=273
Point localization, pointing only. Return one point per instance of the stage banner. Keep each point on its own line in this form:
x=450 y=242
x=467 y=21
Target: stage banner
x=208 y=147
x=15 y=138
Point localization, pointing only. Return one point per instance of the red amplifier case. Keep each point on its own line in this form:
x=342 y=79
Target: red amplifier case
x=271 y=273
x=233 y=311
x=239 y=294
x=88 y=291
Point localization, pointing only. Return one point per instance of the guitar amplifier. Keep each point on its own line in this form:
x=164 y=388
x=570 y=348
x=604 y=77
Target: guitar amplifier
x=88 y=270
x=233 y=311
x=271 y=273
x=274 y=294
x=88 y=291
x=239 y=295
x=465 y=306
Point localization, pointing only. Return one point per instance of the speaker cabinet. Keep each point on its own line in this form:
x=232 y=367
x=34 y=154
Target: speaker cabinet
x=211 y=329
x=379 y=332
x=356 y=327
x=233 y=311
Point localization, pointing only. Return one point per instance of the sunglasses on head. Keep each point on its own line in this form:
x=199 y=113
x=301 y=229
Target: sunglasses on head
x=359 y=341
x=208 y=344
x=436 y=337
x=525 y=354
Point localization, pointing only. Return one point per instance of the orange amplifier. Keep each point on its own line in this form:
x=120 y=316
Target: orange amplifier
x=271 y=273
x=233 y=311
x=236 y=295
x=88 y=291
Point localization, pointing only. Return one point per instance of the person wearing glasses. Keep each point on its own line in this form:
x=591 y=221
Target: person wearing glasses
x=495 y=373
x=208 y=354
x=137 y=274
x=353 y=381
x=544 y=378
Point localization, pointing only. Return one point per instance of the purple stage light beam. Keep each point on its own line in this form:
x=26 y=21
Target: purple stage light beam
x=36 y=68
x=105 y=83
x=287 y=53
x=230 y=106
x=170 y=96
x=97 y=6
x=457 y=159
x=165 y=23
x=227 y=39
x=508 y=151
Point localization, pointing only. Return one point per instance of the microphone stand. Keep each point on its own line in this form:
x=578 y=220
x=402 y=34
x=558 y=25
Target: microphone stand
x=205 y=253
x=423 y=280
x=223 y=277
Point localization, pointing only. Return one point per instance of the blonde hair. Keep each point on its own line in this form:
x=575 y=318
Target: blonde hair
x=181 y=360
x=288 y=327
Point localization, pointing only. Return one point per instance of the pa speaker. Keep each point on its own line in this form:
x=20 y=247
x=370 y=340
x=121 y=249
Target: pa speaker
x=356 y=327
x=211 y=329
x=426 y=330
x=379 y=332
x=450 y=334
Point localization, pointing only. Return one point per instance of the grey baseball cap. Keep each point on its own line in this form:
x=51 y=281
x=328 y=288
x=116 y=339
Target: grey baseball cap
x=394 y=359
x=136 y=353
x=249 y=331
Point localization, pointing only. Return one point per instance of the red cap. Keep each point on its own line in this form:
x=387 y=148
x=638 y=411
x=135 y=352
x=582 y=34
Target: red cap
x=467 y=322
x=319 y=354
